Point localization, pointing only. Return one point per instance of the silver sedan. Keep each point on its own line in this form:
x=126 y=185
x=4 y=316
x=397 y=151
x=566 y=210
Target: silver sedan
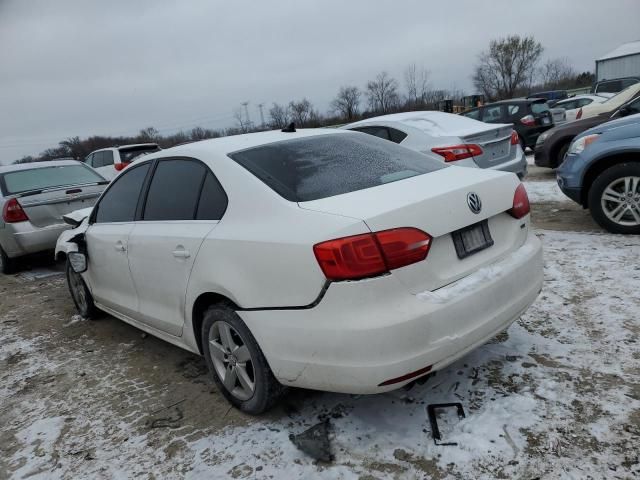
x=33 y=199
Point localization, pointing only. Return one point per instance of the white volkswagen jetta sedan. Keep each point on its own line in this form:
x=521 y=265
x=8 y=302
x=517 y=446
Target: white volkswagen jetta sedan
x=320 y=259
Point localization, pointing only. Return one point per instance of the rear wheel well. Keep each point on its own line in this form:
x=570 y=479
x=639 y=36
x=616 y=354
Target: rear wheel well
x=600 y=166
x=202 y=303
x=61 y=257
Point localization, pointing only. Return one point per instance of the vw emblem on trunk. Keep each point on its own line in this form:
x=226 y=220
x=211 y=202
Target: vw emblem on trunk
x=474 y=202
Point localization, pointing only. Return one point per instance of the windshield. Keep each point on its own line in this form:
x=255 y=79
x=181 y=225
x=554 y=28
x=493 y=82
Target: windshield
x=44 y=178
x=624 y=95
x=539 y=107
x=323 y=166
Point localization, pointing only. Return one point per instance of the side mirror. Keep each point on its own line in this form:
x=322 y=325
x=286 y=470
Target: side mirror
x=78 y=261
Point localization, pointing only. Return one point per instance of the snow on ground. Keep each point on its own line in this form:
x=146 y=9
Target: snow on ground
x=545 y=191
x=556 y=396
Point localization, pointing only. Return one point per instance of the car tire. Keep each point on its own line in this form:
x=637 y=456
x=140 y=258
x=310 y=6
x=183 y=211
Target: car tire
x=80 y=294
x=561 y=154
x=250 y=385
x=6 y=263
x=605 y=212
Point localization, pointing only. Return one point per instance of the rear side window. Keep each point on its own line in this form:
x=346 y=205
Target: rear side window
x=492 y=114
x=213 y=200
x=539 y=107
x=614 y=86
x=174 y=190
x=310 y=168
x=119 y=202
x=380 y=132
x=475 y=114
x=22 y=181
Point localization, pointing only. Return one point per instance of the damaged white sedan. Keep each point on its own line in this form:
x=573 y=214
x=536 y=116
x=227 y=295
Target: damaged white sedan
x=321 y=259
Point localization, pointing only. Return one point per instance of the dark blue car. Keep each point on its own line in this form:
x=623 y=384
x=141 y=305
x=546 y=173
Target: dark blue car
x=601 y=172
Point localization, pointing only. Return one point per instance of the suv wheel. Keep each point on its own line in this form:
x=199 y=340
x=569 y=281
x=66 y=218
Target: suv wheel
x=614 y=198
x=80 y=293
x=6 y=264
x=236 y=362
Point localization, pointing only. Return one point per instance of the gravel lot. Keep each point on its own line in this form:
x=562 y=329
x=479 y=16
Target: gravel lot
x=556 y=396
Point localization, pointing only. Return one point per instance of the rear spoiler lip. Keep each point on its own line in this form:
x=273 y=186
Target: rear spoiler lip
x=30 y=193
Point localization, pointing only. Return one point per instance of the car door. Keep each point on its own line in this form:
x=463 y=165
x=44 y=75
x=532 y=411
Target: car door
x=107 y=239
x=182 y=206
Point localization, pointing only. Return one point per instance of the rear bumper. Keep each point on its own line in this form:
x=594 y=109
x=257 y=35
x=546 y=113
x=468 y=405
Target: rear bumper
x=18 y=239
x=366 y=332
x=541 y=157
x=518 y=165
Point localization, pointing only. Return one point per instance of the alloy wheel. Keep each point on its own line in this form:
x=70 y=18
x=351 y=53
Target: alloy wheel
x=620 y=201
x=232 y=360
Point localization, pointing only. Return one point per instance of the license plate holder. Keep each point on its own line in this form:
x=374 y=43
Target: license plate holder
x=472 y=239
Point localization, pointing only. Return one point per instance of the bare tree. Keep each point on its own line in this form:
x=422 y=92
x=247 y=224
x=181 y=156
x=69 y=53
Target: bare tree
x=382 y=93
x=242 y=124
x=149 y=134
x=557 y=73
x=508 y=65
x=347 y=102
x=279 y=115
x=302 y=113
x=417 y=84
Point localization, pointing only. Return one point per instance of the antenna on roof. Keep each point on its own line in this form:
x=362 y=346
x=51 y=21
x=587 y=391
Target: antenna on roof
x=291 y=128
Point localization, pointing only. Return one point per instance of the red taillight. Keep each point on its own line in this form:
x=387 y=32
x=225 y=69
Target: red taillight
x=579 y=114
x=520 y=203
x=528 y=120
x=13 y=212
x=458 y=152
x=371 y=254
x=515 y=139
x=121 y=166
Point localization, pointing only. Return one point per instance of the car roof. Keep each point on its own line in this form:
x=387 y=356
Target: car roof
x=519 y=100
x=430 y=122
x=32 y=165
x=226 y=145
x=121 y=147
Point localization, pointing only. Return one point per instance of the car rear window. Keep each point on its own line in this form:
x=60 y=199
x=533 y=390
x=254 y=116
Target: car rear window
x=311 y=168
x=129 y=153
x=539 y=107
x=44 y=178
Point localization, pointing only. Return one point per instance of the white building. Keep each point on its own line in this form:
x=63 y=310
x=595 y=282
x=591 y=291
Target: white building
x=624 y=61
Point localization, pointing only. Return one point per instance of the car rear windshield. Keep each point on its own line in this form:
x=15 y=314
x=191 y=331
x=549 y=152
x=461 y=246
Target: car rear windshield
x=44 y=178
x=310 y=168
x=539 y=107
x=128 y=154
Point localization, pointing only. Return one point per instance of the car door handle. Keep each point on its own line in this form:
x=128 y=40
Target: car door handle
x=120 y=247
x=181 y=253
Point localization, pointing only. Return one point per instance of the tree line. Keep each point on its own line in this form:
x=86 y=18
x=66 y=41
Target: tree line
x=510 y=67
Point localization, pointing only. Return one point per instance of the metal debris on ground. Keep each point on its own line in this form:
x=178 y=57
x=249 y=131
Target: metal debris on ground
x=315 y=442
x=431 y=413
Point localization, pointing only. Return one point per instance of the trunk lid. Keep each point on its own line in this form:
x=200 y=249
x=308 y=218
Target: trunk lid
x=495 y=143
x=46 y=207
x=436 y=203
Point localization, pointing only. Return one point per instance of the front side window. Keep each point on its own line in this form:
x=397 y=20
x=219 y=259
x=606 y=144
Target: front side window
x=119 y=202
x=174 y=190
x=322 y=166
x=34 y=179
x=475 y=114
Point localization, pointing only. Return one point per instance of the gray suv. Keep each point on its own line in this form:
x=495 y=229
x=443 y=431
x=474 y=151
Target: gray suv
x=33 y=199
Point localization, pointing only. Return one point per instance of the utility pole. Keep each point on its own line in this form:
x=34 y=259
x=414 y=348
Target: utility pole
x=246 y=113
x=260 y=105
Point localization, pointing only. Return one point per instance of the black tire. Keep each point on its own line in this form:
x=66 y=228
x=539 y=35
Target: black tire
x=604 y=180
x=80 y=294
x=561 y=154
x=267 y=390
x=6 y=263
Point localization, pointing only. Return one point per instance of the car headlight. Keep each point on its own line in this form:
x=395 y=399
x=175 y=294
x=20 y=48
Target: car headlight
x=583 y=142
x=543 y=136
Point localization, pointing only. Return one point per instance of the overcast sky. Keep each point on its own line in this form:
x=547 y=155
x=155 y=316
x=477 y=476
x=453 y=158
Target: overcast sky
x=113 y=67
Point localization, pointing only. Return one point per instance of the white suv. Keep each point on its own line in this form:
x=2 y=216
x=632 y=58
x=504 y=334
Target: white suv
x=322 y=259
x=110 y=161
